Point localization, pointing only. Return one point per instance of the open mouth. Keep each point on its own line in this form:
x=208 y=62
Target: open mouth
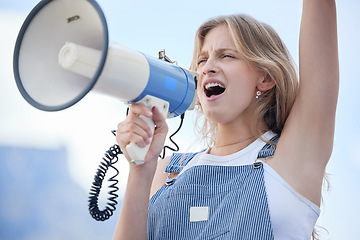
x=214 y=89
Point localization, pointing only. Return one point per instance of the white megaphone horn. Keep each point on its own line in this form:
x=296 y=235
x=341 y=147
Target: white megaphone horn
x=62 y=52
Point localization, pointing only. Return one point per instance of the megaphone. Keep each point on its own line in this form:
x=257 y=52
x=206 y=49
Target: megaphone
x=62 y=53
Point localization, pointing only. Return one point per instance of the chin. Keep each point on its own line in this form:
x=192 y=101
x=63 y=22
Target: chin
x=216 y=117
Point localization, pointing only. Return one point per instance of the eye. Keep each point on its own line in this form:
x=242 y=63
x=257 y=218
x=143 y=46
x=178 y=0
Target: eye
x=201 y=61
x=228 y=56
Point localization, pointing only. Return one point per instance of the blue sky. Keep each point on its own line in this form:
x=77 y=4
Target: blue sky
x=149 y=26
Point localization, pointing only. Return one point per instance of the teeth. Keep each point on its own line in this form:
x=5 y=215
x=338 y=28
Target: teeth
x=210 y=85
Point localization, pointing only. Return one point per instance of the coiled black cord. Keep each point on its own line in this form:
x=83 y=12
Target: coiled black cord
x=110 y=158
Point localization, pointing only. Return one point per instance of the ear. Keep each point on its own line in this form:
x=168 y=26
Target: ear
x=265 y=83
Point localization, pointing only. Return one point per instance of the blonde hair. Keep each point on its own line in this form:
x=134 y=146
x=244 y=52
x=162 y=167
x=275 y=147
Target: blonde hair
x=261 y=46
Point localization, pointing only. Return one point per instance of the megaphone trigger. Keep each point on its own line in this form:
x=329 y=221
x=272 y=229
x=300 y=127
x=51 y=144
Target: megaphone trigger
x=136 y=153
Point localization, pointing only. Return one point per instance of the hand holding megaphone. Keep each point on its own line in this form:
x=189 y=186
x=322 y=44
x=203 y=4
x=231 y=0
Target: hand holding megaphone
x=136 y=133
x=138 y=153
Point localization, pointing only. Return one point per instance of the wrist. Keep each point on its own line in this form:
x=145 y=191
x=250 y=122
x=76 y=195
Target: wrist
x=143 y=173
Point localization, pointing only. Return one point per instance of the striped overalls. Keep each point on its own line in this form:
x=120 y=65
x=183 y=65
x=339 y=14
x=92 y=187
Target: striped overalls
x=212 y=202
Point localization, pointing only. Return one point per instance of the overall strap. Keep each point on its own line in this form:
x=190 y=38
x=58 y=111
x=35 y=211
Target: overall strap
x=179 y=160
x=269 y=149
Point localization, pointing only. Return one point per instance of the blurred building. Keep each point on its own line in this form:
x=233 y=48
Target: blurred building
x=39 y=200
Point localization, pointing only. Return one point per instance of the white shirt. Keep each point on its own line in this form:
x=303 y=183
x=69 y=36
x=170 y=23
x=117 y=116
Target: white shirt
x=292 y=215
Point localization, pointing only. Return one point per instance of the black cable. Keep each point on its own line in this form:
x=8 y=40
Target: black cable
x=176 y=149
x=110 y=158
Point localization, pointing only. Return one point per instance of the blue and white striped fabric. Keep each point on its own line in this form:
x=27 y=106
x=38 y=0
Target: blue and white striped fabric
x=235 y=197
x=179 y=160
x=269 y=149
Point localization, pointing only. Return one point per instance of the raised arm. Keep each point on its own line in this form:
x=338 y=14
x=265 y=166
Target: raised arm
x=307 y=139
x=319 y=68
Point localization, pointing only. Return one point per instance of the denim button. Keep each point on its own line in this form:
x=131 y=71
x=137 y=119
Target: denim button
x=169 y=181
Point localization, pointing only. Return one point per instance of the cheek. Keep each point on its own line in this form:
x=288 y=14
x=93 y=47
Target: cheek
x=198 y=94
x=198 y=100
x=243 y=82
x=199 y=81
x=243 y=89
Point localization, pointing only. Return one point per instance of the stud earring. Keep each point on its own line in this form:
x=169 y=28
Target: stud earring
x=258 y=93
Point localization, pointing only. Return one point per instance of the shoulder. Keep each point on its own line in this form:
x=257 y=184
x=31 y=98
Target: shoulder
x=160 y=175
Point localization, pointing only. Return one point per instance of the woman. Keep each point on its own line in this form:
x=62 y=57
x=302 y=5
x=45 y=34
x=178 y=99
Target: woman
x=240 y=187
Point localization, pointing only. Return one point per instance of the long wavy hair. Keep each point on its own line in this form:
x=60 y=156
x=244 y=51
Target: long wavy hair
x=263 y=49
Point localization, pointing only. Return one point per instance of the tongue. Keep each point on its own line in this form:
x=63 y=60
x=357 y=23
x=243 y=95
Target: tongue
x=214 y=91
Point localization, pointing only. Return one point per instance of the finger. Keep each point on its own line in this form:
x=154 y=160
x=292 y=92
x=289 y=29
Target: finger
x=126 y=138
x=128 y=129
x=158 y=118
x=136 y=124
x=161 y=129
x=138 y=140
x=138 y=127
x=138 y=109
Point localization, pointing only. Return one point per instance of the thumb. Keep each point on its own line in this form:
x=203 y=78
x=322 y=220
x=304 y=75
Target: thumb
x=158 y=118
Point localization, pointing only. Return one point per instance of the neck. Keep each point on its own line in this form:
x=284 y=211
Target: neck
x=232 y=138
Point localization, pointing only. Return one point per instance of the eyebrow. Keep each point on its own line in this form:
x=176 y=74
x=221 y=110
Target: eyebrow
x=221 y=50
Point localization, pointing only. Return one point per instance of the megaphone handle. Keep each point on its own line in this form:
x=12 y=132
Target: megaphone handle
x=136 y=153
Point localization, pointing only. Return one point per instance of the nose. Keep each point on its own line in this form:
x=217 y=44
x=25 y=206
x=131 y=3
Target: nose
x=210 y=67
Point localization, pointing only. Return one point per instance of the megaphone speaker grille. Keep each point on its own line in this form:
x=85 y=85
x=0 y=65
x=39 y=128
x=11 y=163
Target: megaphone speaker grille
x=52 y=23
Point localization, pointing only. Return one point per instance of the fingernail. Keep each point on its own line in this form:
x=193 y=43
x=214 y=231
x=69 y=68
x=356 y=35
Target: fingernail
x=147 y=141
x=150 y=134
x=149 y=113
